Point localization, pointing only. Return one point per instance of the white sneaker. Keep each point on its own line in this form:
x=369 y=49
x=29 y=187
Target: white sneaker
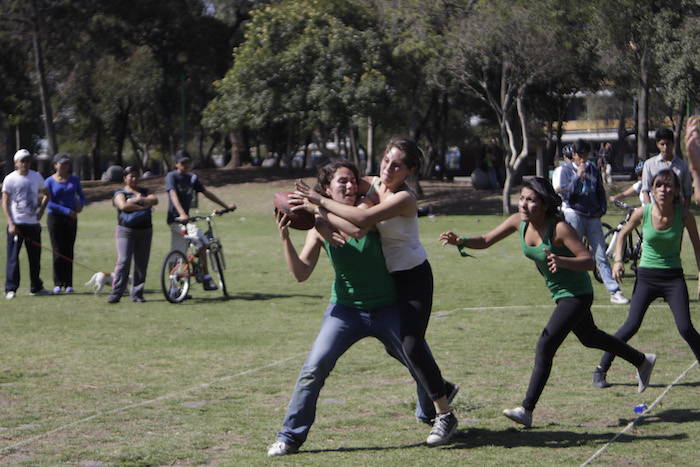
x=280 y=448
x=644 y=372
x=519 y=415
x=57 y=290
x=619 y=298
x=10 y=295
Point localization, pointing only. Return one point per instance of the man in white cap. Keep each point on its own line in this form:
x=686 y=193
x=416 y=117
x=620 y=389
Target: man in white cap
x=20 y=202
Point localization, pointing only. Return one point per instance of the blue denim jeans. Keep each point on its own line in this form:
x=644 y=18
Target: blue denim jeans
x=592 y=229
x=342 y=326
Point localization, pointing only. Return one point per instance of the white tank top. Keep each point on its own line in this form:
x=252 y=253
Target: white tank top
x=401 y=242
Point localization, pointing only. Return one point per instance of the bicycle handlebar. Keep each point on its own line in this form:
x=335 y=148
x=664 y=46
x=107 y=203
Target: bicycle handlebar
x=623 y=205
x=218 y=212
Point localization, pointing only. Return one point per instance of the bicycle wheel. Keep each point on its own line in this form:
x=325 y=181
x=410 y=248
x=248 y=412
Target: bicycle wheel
x=216 y=260
x=609 y=231
x=175 y=277
x=634 y=249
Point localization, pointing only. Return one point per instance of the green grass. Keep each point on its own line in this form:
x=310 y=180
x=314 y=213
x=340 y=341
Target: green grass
x=207 y=382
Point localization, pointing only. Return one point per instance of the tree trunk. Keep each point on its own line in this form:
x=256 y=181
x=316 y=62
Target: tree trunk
x=44 y=93
x=370 y=147
x=643 y=105
x=95 y=153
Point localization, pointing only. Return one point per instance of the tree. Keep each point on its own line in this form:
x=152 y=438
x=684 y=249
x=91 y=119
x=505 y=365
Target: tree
x=498 y=50
x=305 y=67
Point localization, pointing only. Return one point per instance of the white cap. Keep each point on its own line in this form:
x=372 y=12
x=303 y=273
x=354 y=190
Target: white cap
x=22 y=154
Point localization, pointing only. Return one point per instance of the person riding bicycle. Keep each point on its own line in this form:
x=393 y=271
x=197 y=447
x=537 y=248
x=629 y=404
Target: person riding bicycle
x=181 y=185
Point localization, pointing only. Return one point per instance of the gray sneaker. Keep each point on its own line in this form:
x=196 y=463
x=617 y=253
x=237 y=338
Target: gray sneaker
x=444 y=427
x=644 y=372
x=280 y=448
x=519 y=415
x=40 y=292
x=599 y=378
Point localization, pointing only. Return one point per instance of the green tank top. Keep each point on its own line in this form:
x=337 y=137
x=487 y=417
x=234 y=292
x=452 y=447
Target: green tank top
x=361 y=278
x=563 y=283
x=661 y=249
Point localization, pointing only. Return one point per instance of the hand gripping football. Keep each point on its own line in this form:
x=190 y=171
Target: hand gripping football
x=300 y=219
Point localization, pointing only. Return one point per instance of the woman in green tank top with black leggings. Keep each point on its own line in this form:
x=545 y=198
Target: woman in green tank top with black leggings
x=564 y=261
x=660 y=272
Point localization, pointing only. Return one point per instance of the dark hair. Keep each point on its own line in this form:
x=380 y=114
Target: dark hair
x=664 y=133
x=581 y=146
x=545 y=192
x=668 y=175
x=327 y=172
x=131 y=170
x=413 y=156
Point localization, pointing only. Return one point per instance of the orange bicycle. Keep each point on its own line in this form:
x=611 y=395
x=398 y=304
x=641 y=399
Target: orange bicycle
x=178 y=268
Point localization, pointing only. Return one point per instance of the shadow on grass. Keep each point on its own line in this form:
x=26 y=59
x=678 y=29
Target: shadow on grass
x=546 y=437
x=471 y=438
x=252 y=296
x=668 y=416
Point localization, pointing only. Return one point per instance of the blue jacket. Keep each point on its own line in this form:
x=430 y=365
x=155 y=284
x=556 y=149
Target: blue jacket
x=586 y=194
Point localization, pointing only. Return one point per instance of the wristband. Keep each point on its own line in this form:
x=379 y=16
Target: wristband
x=618 y=261
x=461 y=247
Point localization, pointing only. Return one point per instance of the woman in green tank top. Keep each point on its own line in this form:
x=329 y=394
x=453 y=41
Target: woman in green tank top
x=660 y=272
x=563 y=260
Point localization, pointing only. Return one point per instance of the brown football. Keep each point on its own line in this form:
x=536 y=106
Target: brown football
x=300 y=219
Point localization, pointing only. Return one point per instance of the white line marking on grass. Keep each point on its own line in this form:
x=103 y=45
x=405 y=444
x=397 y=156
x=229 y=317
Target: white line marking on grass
x=633 y=422
x=519 y=307
x=9 y=449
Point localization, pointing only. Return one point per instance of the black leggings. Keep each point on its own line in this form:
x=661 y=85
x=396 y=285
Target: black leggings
x=650 y=285
x=571 y=314
x=415 y=288
x=62 y=230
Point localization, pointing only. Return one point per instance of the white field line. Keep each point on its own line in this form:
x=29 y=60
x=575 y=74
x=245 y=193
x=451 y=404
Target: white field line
x=633 y=422
x=9 y=449
x=440 y=314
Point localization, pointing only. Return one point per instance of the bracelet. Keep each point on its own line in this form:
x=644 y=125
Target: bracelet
x=619 y=261
x=461 y=247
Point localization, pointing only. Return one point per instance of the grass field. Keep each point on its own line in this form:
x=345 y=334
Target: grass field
x=207 y=382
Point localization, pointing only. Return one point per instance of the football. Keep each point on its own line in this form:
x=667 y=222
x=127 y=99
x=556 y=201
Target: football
x=300 y=219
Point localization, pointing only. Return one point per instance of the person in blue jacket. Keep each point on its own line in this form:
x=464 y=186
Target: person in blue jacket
x=65 y=199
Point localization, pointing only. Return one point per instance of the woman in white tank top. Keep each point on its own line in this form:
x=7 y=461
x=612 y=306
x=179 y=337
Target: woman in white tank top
x=395 y=214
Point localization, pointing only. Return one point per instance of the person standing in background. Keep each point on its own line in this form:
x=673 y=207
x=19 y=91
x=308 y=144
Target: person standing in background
x=63 y=201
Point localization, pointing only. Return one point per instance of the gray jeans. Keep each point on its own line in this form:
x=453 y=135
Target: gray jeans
x=134 y=243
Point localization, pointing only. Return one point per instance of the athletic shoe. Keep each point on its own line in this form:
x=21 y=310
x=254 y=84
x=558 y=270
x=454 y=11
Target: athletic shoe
x=599 y=379
x=113 y=299
x=451 y=391
x=519 y=415
x=619 y=298
x=10 y=294
x=138 y=300
x=40 y=292
x=644 y=373
x=444 y=427
x=280 y=448
x=57 y=290
x=208 y=283
x=70 y=289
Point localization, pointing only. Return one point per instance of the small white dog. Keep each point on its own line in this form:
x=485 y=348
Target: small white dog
x=100 y=279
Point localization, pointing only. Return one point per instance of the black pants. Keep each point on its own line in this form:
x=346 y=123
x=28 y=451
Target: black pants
x=62 y=231
x=415 y=288
x=571 y=314
x=650 y=285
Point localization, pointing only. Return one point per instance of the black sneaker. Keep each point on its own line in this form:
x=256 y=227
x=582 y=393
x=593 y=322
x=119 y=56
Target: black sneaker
x=444 y=427
x=208 y=283
x=599 y=379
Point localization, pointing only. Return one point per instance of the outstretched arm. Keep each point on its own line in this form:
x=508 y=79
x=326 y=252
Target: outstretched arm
x=400 y=204
x=506 y=228
x=218 y=200
x=692 y=149
x=692 y=227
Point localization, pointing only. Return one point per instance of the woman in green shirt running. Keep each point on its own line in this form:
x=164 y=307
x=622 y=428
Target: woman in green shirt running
x=563 y=260
x=660 y=272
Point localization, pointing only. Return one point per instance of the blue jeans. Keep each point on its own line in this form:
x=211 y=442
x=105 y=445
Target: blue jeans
x=592 y=229
x=342 y=326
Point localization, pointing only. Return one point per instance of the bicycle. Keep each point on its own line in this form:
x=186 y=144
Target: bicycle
x=632 y=247
x=178 y=268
